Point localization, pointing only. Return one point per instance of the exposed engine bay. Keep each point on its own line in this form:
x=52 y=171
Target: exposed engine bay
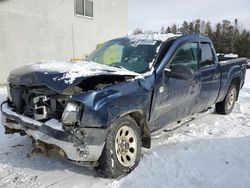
x=96 y=83
x=100 y=82
x=39 y=103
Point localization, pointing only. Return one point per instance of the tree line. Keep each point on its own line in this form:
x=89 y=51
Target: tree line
x=227 y=36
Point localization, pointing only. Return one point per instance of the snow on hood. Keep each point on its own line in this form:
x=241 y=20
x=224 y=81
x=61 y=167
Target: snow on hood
x=71 y=71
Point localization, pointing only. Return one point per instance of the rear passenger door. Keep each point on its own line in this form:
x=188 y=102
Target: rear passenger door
x=210 y=76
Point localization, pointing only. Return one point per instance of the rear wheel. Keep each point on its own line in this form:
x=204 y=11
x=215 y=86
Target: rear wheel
x=226 y=106
x=122 y=150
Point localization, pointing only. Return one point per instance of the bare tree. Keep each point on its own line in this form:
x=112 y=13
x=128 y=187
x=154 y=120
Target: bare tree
x=137 y=31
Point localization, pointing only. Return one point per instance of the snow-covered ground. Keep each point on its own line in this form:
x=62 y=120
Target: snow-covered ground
x=213 y=151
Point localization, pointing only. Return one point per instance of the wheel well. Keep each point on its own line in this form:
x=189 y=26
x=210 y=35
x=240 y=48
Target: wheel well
x=140 y=118
x=236 y=82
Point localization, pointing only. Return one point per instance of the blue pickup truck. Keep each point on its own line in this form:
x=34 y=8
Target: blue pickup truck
x=102 y=110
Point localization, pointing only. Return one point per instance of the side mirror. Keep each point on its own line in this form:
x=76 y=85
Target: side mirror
x=179 y=71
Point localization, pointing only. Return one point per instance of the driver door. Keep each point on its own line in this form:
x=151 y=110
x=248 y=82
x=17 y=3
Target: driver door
x=176 y=97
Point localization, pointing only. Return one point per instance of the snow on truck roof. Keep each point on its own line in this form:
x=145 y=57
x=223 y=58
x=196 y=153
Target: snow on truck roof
x=153 y=37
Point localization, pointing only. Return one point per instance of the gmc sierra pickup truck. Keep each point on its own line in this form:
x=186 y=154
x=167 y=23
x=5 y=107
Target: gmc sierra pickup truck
x=102 y=110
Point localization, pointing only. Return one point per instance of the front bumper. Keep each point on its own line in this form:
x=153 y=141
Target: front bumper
x=80 y=144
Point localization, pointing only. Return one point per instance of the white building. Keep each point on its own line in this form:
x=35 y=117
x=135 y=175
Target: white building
x=35 y=30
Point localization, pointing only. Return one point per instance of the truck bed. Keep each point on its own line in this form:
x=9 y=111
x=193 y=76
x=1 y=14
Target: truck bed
x=228 y=69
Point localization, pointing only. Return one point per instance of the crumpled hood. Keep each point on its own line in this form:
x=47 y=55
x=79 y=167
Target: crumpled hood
x=60 y=75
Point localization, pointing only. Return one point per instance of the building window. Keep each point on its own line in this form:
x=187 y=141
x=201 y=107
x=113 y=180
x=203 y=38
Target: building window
x=84 y=8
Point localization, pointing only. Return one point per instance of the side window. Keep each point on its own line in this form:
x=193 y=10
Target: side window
x=187 y=55
x=207 y=58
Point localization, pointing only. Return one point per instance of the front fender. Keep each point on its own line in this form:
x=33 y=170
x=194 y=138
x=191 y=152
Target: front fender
x=112 y=108
x=103 y=106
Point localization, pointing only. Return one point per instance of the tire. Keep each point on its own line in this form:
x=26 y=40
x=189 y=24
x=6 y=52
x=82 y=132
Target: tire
x=226 y=106
x=121 y=153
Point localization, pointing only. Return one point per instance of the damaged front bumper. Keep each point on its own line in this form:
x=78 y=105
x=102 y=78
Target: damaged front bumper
x=79 y=145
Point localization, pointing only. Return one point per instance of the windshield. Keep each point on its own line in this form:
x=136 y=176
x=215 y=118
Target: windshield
x=133 y=55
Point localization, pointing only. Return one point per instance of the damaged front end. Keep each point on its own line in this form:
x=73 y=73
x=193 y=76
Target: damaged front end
x=71 y=114
x=48 y=101
x=53 y=121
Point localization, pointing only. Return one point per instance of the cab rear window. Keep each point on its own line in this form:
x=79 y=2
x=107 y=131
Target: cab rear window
x=207 y=58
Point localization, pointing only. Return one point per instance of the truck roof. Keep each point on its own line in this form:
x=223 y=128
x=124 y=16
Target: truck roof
x=165 y=37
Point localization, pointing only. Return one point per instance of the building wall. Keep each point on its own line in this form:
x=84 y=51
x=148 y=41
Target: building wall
x=35 y=30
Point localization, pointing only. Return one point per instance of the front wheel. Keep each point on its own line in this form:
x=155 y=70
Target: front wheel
x=226 y=106
x=122 y=150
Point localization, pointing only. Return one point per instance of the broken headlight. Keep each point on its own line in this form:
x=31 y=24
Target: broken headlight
x=72 y=114
x=8 y=91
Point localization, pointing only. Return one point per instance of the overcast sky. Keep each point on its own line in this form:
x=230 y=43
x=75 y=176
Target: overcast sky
x=153 y=14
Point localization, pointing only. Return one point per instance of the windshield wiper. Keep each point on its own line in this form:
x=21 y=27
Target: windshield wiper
x=117 y=66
